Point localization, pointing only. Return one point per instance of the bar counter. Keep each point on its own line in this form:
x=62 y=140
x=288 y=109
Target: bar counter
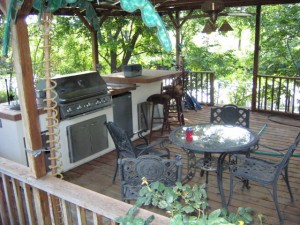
x=148 y=76
x=143 y=86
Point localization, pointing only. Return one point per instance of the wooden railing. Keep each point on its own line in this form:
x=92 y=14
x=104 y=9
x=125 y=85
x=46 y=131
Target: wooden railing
x=278 y=94
x=49 y=200
x=198 y=84
x=201 y=86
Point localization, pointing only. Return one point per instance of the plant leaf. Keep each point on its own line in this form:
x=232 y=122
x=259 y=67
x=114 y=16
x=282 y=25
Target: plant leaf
x=214 y=214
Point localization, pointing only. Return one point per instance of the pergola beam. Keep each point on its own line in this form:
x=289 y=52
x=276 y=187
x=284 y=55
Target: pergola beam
x=95 y=50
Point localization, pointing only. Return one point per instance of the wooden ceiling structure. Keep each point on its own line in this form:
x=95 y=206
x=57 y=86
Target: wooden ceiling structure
x=172 y=9
x=112 y=7
x=103 y=8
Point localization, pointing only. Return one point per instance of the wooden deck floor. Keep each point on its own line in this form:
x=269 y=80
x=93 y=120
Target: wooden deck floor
x=97 y=174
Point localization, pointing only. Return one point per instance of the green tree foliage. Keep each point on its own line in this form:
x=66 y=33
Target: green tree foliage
x=119 y=38
x=126 y=41
x=6 y=71
x=233 y=68
x=70 y=46
x=280 y=40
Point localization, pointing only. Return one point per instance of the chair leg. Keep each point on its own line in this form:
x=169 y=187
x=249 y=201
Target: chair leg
x=286 y=179
x=166 y=124
x=151 y=124
x=275 y=199
x=116 y=171
x=230 y=190
x=180 y=117
x=206 y=179
x=207 y=161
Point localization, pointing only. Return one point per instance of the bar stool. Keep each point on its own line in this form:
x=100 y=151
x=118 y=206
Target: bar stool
x=176 y=94
x=164 y=100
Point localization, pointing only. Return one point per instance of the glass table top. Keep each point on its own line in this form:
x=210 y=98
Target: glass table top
x=216 y=138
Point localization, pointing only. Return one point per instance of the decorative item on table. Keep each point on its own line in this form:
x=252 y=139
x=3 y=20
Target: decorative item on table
x=189 y=134
x=132 y=70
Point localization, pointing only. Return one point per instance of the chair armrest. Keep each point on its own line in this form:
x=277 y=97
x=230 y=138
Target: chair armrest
x=262 y=129
x=241 y=159
x=270 y=151
x=155 y=145
x=160 y=142
x=141 y=136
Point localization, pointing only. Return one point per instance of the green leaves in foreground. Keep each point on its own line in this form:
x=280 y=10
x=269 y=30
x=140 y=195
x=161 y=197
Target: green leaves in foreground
x=186 y=205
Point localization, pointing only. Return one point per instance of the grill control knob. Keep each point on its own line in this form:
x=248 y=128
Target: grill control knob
x=79 y=107
x=69 y=110
x=88 y=105
x=98 y=102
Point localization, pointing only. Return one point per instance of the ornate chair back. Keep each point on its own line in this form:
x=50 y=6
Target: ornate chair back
x=230 y=114
x=285 y=160
x=122 y=141
x=153 y=168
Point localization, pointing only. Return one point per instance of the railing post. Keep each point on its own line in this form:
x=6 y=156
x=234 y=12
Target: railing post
x=256 y=56
x=212 y=88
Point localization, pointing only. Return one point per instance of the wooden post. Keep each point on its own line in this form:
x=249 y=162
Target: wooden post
x=29 y=112
x=178 y=38
x=95 y=51
x=178 y=25
x=256 y=57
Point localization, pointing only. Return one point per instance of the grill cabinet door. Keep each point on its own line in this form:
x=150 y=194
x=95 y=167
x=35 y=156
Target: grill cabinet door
x=87 y=138
x=98 y=134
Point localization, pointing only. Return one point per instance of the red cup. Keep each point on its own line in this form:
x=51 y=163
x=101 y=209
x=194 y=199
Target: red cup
x=189 y=134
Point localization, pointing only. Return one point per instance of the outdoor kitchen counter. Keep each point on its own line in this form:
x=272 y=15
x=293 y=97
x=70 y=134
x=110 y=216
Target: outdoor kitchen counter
x=148 y=76
x=13 y=115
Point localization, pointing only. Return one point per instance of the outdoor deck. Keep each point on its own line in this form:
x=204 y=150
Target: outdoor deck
x=97 y=174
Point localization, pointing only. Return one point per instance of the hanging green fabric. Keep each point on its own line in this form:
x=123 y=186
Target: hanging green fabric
x=47 y=5
x=90 y=13
x=12 y=12
x=151 y=19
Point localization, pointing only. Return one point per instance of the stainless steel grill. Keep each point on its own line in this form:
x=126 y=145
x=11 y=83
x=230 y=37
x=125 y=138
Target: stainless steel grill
x=81 y=93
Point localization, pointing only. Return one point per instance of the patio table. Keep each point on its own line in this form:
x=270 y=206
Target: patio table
x=213 y=138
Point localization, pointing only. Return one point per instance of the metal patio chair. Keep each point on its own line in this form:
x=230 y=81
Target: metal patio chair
x=153 y=168
x=126 y=149
x=228 y=114
x=265 y=172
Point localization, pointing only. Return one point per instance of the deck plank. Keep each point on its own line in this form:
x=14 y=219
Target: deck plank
x=97 y=174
